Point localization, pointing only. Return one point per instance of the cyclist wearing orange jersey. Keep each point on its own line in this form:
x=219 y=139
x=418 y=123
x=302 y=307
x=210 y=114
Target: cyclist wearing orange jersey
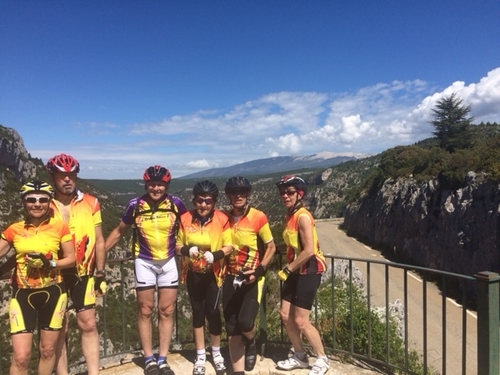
x=253 y=249
x=204 y=240
x=155 y=219
x=301 y=277
x=82 y=213
x=38 y=288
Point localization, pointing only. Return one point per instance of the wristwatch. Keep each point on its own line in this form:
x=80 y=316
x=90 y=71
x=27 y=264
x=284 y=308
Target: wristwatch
x=52 y=263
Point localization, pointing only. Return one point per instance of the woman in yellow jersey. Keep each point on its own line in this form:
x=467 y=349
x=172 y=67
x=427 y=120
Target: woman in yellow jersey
x=38 y=291
x=301 y=277
x=203 y=241
x=253 y=249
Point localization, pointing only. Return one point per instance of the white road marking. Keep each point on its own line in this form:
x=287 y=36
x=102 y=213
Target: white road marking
x=415 y=277
x=460 y=306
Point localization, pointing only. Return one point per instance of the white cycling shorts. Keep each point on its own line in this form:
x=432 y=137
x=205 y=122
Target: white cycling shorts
x=156 y=273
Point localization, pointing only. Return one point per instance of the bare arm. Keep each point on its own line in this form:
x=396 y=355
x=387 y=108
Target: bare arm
x=227 y=249
x=115 y=236
x=306 y=241
x=100 y=250
x=68 y=259
x=266 y=259
x=268 y=253
x=4 y=247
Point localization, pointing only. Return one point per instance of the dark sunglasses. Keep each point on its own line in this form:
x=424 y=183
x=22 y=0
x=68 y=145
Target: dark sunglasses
x=207 y=201
x=287 y=192
x=238 y=192
x=37 y=199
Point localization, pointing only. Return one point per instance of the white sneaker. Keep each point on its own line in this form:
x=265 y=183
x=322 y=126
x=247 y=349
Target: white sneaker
x=293 y=362
x=199 y=367
x=320 y=367
x=220 y=367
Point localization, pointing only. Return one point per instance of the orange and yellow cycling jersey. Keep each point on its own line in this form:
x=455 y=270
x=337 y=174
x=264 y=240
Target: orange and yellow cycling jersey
x=44 y=239
x=211 y=236
x=155 y=226
x=85 y=215
x=316 y=264
x=249 y=233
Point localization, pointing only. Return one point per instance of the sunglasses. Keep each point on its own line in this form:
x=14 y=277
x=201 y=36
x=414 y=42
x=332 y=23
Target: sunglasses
x=37 y=199
x=207 y=201
x=287 y=192
x=238 y=192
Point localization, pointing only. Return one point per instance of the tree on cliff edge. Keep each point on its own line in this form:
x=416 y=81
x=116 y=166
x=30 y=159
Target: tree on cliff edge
x=452 y=123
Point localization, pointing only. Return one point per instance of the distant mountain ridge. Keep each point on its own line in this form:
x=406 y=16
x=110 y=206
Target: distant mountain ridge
x=273 y=165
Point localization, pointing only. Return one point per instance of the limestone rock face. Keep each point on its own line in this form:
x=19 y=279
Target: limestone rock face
x=14 y=156
x=455 y=231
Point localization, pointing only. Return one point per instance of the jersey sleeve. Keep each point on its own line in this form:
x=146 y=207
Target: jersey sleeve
x=128 y=215
x=96 y=216
x=180 y=204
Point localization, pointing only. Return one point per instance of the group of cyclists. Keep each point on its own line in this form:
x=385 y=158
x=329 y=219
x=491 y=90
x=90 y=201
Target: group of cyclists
x=60 y=251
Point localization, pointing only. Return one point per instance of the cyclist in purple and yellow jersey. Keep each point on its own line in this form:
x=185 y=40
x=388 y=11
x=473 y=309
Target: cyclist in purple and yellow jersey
x=85 y=281
x=38 y=290
x=301 y=277
x=155 y=218
x=204 y=241
x=253 y=249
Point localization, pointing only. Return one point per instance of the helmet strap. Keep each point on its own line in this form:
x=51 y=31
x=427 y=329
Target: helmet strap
x=240 y=211
x=298 y=205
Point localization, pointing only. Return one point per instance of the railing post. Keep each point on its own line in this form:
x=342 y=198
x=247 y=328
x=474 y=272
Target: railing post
x=487 y=284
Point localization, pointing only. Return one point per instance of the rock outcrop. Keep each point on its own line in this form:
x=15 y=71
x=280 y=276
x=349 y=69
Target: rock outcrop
x=455 y=231
x=14 y=156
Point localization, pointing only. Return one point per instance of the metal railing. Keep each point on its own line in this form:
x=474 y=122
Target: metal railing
x=435 y=327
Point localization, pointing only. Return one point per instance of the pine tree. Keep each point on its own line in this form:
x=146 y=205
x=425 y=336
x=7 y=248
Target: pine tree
x=452 y=124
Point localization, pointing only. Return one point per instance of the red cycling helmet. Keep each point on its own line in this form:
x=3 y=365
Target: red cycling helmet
x=157 y=173
x=63 y=163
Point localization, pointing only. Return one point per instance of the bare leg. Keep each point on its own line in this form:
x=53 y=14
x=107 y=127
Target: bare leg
x=166 y=308
x=47 y=349
x=61 y=349
x=237 y=352
x=199 y=337
x=145 y=305
x=215 y=340
x=287 y=313
x=302 y=325
x=90 y=339
x=21 y=353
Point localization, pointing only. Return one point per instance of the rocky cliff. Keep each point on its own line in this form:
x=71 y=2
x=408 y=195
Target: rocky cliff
x=14 y=156
x=456 y=231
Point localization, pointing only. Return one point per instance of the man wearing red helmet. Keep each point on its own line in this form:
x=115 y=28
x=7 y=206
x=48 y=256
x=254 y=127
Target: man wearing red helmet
x=82 y=213
x=155 y=220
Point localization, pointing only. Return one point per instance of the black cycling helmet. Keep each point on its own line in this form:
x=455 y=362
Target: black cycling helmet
x=237 y=183
x=206 y=187
x=293 y=180
x=157 y=173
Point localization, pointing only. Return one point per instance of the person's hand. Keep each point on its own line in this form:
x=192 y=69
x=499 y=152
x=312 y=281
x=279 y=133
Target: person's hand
x=37 y=260
x=100 y=284
x=283 y=274
x=194 y=252
x=209 y=257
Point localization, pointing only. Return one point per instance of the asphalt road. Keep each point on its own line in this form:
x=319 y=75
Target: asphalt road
x=335 y=242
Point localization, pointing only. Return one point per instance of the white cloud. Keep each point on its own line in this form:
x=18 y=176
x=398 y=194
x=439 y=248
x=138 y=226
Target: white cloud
x=369 y=120
x=198 y=164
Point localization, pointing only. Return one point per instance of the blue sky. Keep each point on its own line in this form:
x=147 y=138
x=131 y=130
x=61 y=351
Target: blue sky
x=191 y=85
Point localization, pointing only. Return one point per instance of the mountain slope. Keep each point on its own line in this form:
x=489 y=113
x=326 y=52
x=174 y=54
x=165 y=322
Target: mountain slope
x=272 y=165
